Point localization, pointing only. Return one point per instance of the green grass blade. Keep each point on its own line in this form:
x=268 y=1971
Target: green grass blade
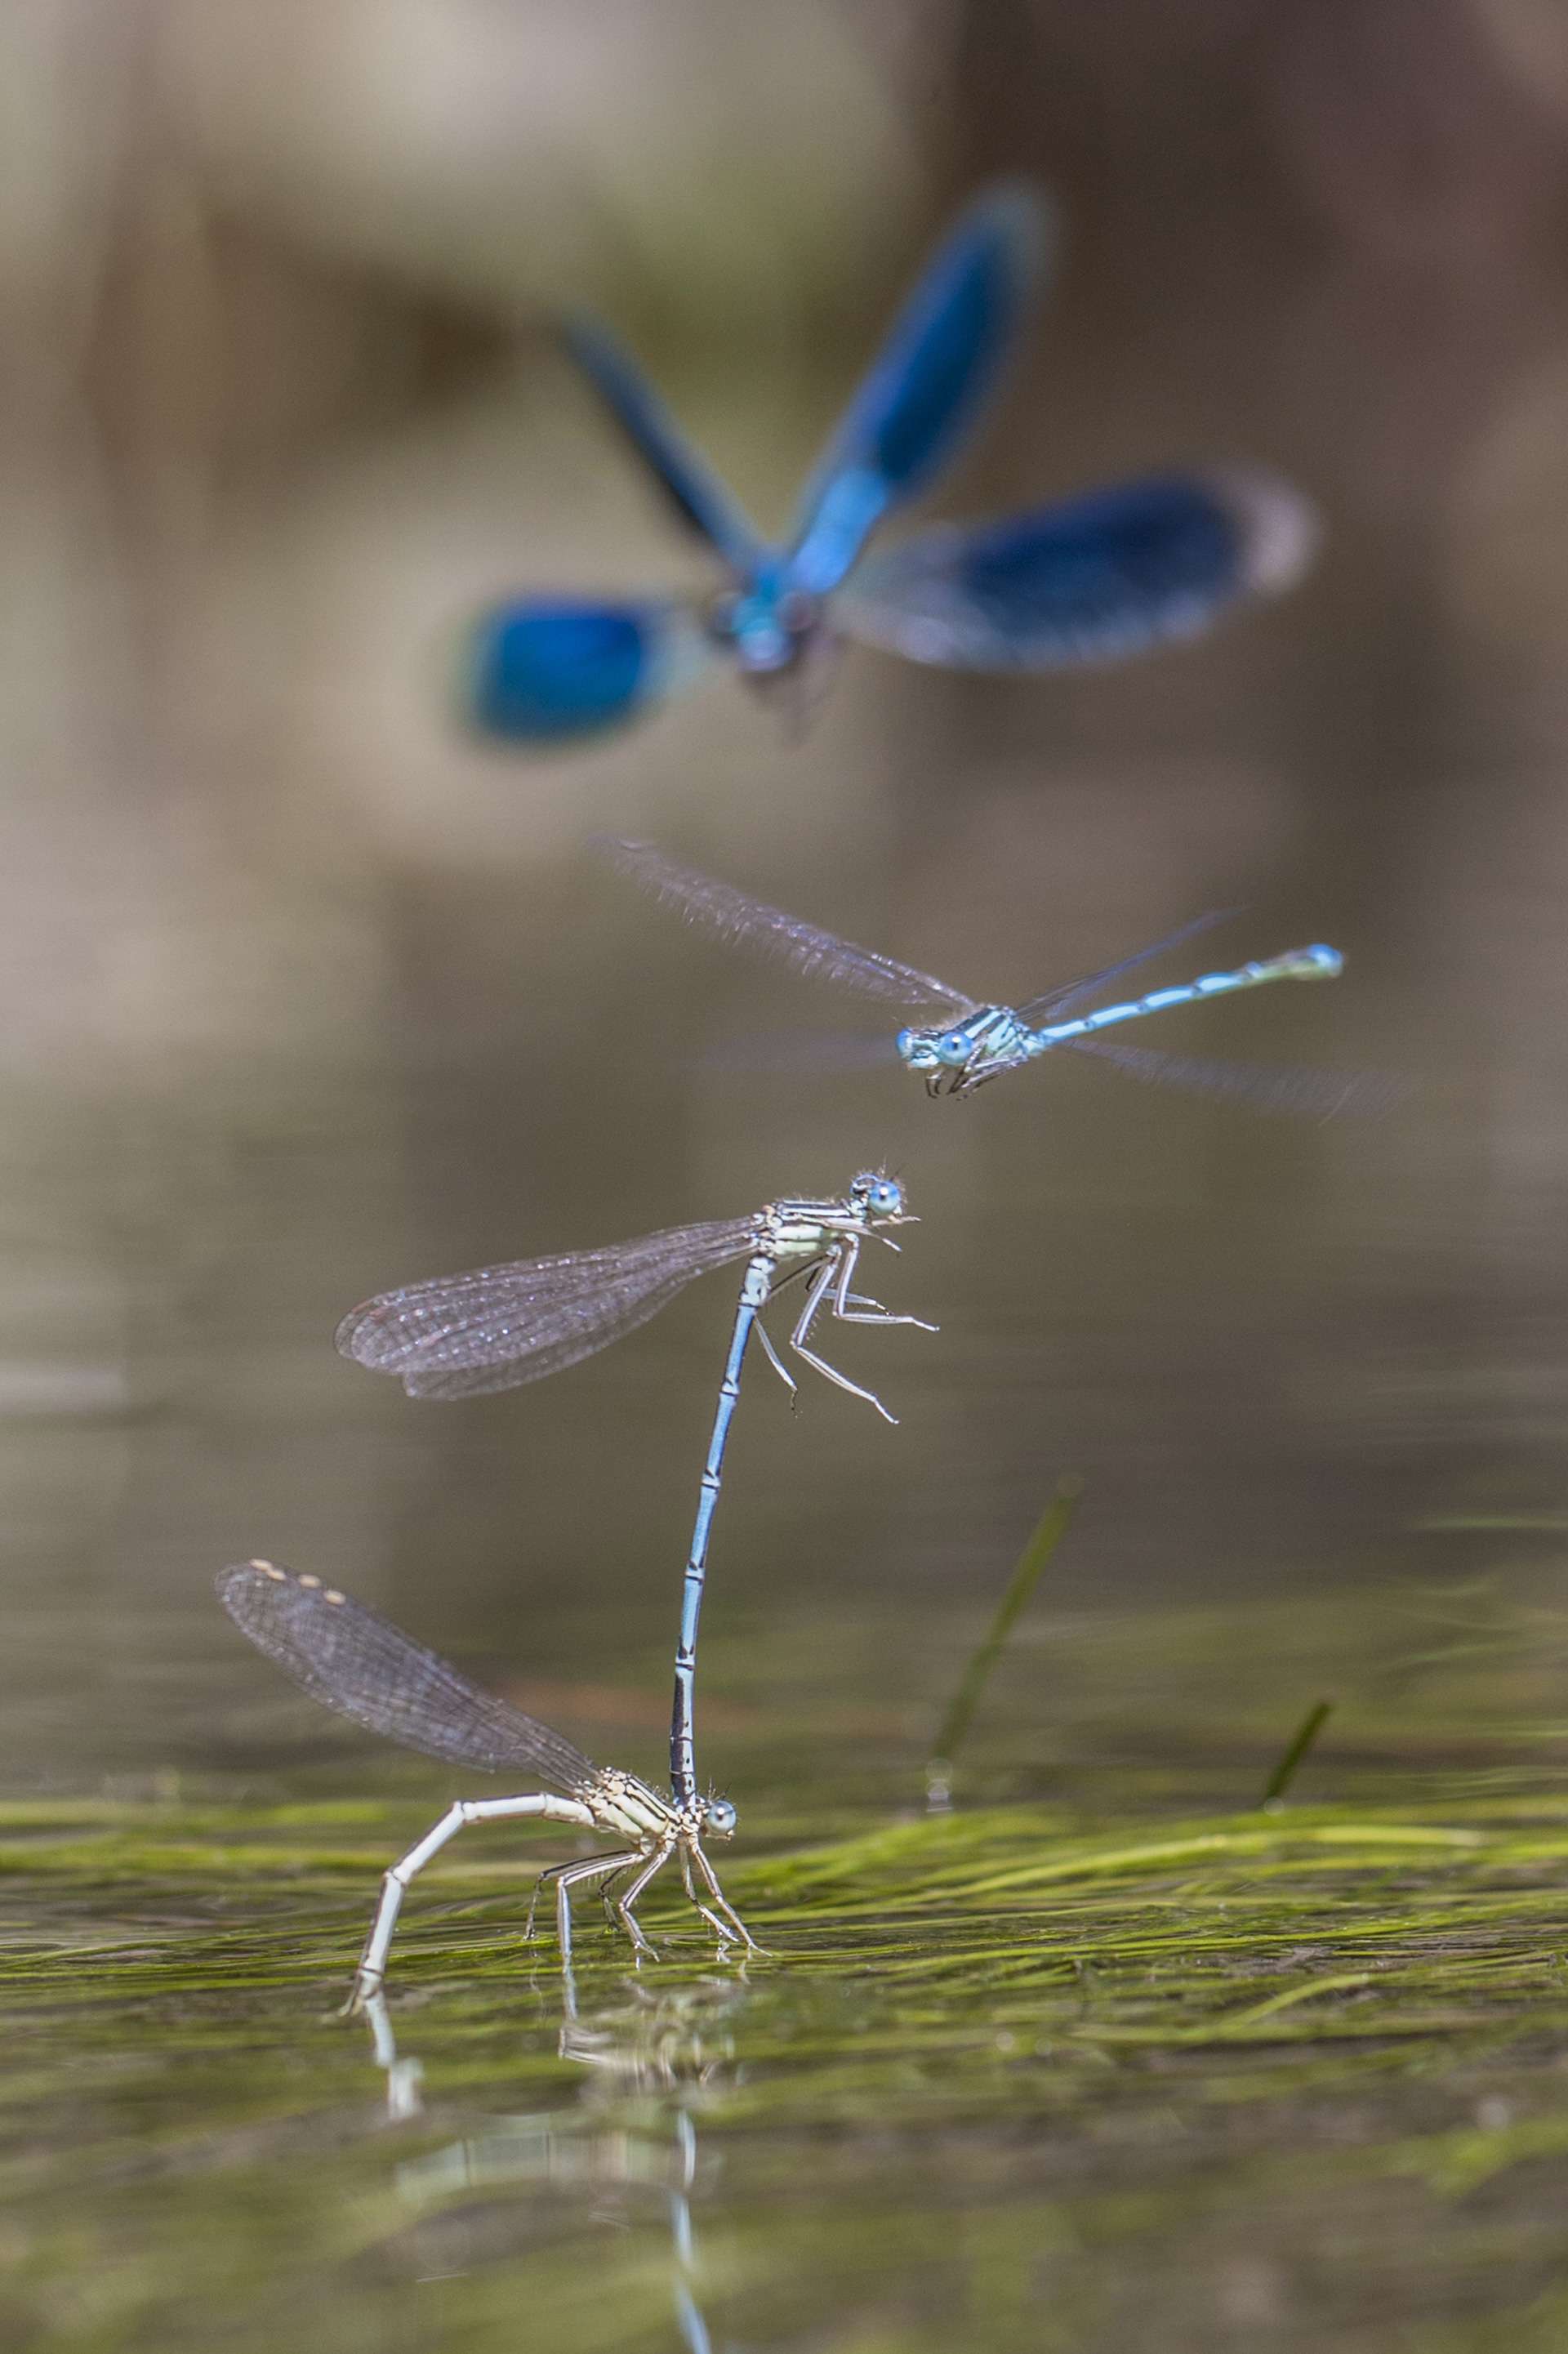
x=1055 y=1522
x=1301 y=1742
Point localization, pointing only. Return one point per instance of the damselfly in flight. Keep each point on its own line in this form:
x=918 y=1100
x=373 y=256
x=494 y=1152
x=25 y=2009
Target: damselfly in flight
x=354 y=1660
x=458 y=1335
x=1094 y=578
x=972 y=1041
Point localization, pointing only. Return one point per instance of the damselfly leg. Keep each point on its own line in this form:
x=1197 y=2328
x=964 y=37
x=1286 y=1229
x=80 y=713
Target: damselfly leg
x=695 y=1859
x=591 y=1870
x=845 y=1301
x=830 y=1287
x=772 y=1353
x=715 y=1924
x=551 y=1872
x=828 y=1280
x=621 y=1906
x=821 y=1286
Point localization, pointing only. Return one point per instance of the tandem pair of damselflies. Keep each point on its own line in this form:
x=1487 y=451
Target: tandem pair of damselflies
x=459 y=1336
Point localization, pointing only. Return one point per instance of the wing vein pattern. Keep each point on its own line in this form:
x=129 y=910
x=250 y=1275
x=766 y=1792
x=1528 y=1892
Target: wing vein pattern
x=357 y=1663
x=495 y=1327
x=740 y=921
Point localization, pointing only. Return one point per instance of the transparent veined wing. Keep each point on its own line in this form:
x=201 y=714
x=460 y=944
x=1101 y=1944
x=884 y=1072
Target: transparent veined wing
x=1310 y=1094
x=1092 y=580
x=1057 y=1004
x=927 y=383
x=546 y=671
x=352 y=1661
x=740 y=921
x=698 y=498
x=496 y=1327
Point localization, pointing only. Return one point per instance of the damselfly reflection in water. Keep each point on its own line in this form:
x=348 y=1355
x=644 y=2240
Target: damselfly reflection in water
x=495 y=1327
x=973 y=1041
x=1092 y=579
x=356 y=1662
x=630 y=2136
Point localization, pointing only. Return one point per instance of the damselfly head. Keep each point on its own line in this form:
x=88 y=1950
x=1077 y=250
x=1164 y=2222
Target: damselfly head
x=953 y=1061
x=944 y=1057
x=719 y=1817
x=883 y=1196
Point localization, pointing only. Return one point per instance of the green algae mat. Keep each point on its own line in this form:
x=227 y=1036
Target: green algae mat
x=1008 y=2078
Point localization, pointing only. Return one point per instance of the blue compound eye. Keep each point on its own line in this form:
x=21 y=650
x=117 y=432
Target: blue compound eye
x=886 y=1197
x=955 y=1047
x=721 y=1818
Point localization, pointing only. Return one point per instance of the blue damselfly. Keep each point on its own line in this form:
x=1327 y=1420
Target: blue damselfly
x=1090 y=579
x=973 y=1041
x=459 y=1335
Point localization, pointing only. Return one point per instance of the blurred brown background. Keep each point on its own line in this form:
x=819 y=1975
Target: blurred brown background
x=303 y=994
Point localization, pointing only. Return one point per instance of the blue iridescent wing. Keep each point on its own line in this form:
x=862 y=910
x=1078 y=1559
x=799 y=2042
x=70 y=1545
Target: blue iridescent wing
x=696 y=495
x=1092 y=580
x=548 y=671
x=927 y=385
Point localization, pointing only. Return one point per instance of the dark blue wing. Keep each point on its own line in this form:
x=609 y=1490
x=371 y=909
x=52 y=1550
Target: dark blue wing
x=698 y=498
x=546 y=671
x=1094 y=579
x=923 y=393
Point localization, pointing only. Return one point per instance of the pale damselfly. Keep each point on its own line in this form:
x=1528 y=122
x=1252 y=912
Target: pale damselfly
x=352 y=1661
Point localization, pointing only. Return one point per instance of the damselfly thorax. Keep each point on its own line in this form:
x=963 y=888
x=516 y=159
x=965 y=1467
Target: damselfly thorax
x=801 y=1229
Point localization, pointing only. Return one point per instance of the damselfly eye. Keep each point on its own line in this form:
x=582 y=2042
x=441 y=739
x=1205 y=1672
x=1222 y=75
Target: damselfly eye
x=955 y=1047
x=885 y=1197
x=721 y=1818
